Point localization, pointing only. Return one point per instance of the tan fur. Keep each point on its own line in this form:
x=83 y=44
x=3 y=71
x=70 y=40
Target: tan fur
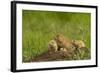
x=53 y=45
x=78 y=43
x=63 y=42
x=63 y=49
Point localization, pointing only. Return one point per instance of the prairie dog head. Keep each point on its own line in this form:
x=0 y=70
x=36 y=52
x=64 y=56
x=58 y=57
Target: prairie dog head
x=59 y=37
x=78 y=43
x=53 y=45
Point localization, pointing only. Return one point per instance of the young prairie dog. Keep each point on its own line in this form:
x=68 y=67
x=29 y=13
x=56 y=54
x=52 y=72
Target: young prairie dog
x=63 y=42
x=53 y=45
x=78 y=43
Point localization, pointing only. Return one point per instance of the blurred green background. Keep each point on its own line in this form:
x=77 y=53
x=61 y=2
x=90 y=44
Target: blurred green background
x=39 y=27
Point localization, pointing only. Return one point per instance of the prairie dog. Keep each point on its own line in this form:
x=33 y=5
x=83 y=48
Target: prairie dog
x=78 y=43
x=53 y=45
x=63 y=42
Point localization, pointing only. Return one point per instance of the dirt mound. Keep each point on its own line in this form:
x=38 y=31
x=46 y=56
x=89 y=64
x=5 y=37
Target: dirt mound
x=53 y=56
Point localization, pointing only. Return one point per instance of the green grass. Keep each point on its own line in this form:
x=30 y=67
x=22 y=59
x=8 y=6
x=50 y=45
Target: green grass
x=39 y=27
